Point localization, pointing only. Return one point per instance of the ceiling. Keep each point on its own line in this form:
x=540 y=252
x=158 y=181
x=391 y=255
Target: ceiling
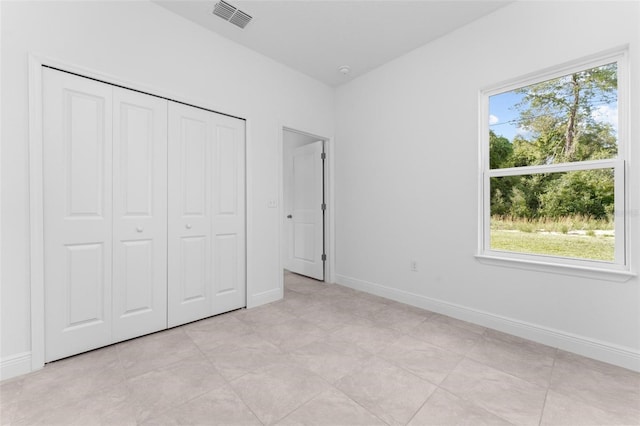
x=317 y=37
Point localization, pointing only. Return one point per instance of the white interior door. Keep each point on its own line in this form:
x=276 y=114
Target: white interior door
x=306 y=242
x=139 y=214
x=77 y=153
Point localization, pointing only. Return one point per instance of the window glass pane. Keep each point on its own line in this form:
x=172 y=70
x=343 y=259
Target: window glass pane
x=568 y=214
x=566 y=119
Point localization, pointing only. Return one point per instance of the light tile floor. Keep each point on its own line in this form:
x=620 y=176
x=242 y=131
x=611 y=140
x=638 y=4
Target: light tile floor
x=325 y=355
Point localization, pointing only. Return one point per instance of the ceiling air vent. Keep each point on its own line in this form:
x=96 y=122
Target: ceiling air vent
x=231 y=14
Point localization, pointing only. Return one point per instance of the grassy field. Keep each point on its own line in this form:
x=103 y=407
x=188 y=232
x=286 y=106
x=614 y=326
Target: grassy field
x=567 y=245
x=563 y=225
x=577 y=237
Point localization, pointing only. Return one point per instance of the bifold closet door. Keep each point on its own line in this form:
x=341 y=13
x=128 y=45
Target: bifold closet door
x=105 y=162
x=77 y=139
x=206 y=214
x=139 y=214
x=144 y=214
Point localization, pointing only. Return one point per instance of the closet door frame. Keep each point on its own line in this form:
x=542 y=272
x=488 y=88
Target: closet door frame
x=36 y=187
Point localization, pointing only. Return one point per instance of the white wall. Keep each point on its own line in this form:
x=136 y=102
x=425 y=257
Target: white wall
x=407 y=179
x=145 y=44
x=290 y=141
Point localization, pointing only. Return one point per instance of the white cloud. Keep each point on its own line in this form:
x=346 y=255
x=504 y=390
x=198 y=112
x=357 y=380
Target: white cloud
x=606 y=114
x=523 y=131
x=493 y=119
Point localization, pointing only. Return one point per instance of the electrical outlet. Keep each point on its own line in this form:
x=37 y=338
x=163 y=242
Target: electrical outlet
x=413 y=266
x=272 y=204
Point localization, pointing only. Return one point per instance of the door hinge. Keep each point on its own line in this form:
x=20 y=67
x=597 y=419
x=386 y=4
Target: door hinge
x=324 y=257
x=323 y=156
x=323 y=206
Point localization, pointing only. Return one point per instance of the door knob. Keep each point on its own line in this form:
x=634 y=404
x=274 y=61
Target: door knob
x=188 y=226
x=139 y=229
x=289 y=216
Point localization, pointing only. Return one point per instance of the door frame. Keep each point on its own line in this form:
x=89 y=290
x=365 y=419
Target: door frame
x=329 y=197
x=36 y=184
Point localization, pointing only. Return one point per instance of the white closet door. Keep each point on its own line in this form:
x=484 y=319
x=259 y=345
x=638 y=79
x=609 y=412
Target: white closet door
x=144 y=210
x=206 y=214
x=229 y=283
x=77 y=125
x=190 y=214
x=139 y=214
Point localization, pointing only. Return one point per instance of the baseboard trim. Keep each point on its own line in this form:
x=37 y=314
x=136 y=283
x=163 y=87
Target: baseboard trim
x=265 y=297
x=592 y=348
x=15 y=365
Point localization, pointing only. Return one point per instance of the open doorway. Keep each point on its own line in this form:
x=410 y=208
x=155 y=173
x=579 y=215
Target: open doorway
x=304 y=248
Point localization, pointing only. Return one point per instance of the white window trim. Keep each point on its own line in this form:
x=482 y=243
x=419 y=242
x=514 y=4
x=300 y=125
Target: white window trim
x=621 y=269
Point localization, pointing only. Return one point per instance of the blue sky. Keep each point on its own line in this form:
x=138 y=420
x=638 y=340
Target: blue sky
x=502 y=115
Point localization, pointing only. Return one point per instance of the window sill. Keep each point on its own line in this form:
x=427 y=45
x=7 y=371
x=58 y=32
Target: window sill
x=571 y=270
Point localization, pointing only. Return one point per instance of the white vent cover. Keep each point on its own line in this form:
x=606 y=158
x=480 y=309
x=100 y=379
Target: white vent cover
x=231 y=14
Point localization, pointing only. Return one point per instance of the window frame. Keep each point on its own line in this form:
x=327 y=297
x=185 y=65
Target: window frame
x=620 y=267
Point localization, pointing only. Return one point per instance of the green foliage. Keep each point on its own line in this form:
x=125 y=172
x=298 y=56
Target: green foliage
x=588 y=192
x=499 y=206
x=518 y=202
x=526 y=153
x=500 y=151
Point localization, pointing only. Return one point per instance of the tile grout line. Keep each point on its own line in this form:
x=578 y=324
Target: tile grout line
x=366 y=316
x=546 y=394
x=225 y=380
x=351 y=399
x=466 y=357
x=423 y=404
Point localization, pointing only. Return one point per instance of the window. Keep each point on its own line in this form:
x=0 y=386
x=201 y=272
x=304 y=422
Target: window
x=553 y=168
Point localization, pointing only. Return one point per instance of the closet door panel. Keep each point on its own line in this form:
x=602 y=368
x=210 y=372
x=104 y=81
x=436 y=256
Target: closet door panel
x=229 y=215
x=194 y=268
x=190 y=214
x=77 y=125
x=140 y=214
